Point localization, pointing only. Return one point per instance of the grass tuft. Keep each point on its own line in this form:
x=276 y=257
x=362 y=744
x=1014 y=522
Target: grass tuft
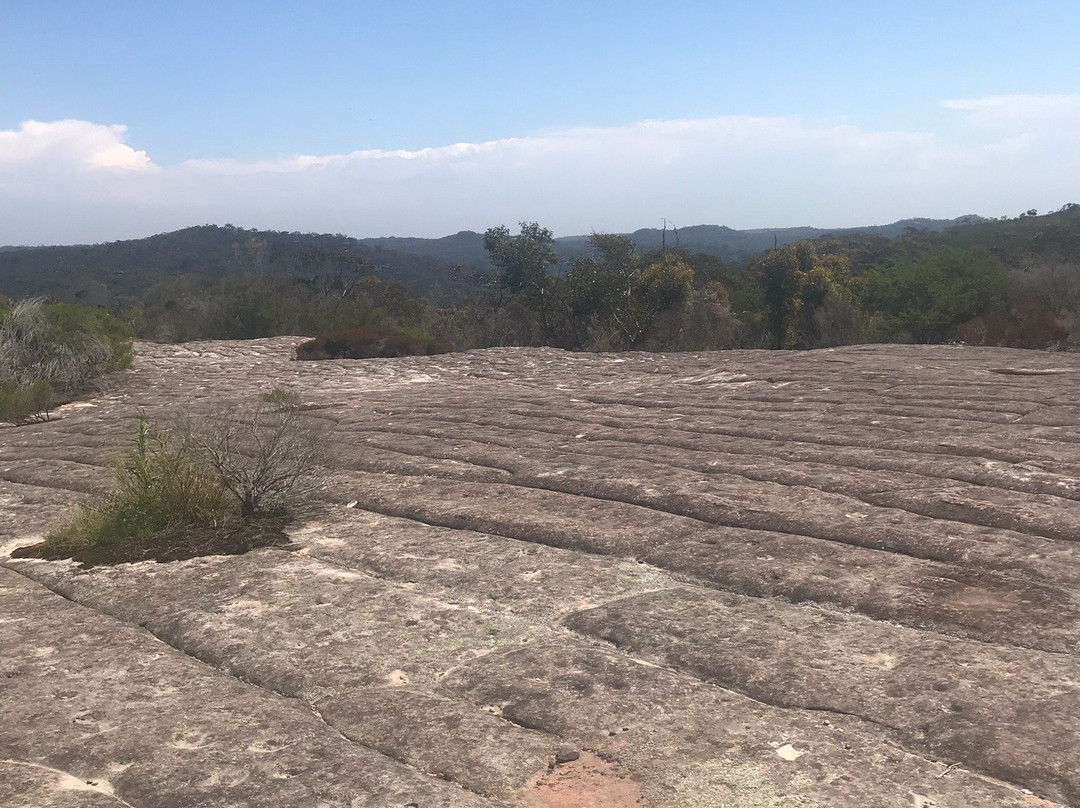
x=158 y=489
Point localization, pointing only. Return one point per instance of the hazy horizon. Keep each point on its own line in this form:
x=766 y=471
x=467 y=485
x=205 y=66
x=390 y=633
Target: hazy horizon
x=672 y=227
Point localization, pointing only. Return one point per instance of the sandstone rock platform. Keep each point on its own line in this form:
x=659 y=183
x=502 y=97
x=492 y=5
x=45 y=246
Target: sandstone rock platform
x=846 y=577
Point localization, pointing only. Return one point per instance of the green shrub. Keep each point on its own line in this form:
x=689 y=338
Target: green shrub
x=371 y=342
x=280 y=398
x=52 y=352
x=207 y=487
x=21 y=403
x=71 y=318
x=926 y=299
x=158 y=488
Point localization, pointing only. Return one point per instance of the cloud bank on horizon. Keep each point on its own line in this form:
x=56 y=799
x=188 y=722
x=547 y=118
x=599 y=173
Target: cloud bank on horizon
x=75 y=181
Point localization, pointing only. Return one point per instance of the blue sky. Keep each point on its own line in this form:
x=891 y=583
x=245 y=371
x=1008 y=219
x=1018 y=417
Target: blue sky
x=315 y=116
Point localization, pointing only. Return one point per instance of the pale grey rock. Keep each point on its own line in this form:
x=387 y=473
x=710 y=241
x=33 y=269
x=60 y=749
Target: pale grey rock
x=838 y=578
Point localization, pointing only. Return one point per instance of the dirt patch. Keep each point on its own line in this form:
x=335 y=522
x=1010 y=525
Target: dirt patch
x=177 y=544
x=587 y=782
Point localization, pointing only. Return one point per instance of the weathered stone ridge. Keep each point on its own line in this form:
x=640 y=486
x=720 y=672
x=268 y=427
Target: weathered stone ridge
x=838 y=578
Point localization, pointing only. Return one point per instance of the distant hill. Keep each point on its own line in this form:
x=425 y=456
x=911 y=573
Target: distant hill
x=110 y=274
x=104 y=274
x=467 y=247
x=1023 y=242
x=737 y=245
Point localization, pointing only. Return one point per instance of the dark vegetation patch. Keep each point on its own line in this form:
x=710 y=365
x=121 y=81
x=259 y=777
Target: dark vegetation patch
x=1011 y=282
x=217 y=485
x=175 y=543
x=107 y=274
x=371 y=342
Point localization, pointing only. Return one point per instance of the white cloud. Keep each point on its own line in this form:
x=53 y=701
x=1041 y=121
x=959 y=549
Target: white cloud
x=1047 y=113
x=69 y=146
x=71 y=181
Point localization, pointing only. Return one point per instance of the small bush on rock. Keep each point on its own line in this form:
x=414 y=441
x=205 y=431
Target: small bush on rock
x=20 y=403
x=371 y=342
x=159 y=493
x=218 y=485
x=265 y=455
x=280 y=398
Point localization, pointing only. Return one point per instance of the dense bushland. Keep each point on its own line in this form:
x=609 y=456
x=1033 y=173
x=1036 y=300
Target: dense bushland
x=1002 y=282
x=247 y=306
x=999 y=289
x=52 y=352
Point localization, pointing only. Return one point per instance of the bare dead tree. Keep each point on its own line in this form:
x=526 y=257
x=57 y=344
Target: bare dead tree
x=267 y=454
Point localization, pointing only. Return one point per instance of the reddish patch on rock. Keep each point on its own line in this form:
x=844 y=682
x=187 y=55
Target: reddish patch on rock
x=587 y=782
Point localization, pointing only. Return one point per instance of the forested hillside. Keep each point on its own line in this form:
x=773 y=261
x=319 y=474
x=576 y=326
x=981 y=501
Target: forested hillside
x=1009 y=282
x=113 y=274
x=1012 y=282
x=726 y=243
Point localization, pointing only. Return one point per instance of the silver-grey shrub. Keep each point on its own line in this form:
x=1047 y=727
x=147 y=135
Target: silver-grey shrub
x=58 y=348
x=267 y=453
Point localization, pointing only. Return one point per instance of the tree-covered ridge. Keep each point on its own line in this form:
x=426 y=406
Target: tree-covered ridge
x=1009 y=282
x=116 y=273
x=726 y=243
x=1004 y=282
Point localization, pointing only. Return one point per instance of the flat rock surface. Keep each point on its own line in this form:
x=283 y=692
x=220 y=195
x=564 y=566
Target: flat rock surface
x=846 y=577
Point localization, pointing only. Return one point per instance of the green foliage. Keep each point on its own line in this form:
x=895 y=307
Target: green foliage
x=280 y=398
x=335 y=271
x=925 y=300
x=779 y=275
x=72 y=318
x=523 y=261
x=1021 y=243
x=796 y=282
x=598 y=289
x=371 y=342
x=608 y=299
x=251 y=306
x=523 y=265
x=158 y=488
x=51 y=352
x=1041 y=309
x=120 y=273
x=205 y=483
x=22 y=403
x=708 y=322
x=664 y=284
x=859 y=285
x=655 y=302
